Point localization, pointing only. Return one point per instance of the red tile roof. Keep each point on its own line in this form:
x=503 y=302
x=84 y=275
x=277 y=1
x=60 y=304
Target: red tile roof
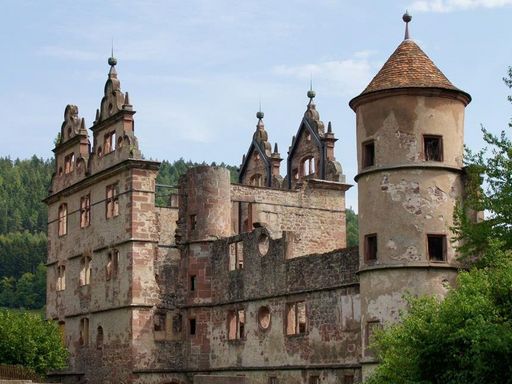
x=408 y=67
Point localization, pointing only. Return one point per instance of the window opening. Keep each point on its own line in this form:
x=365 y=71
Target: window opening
x=193 y=222
x=264 y=318
x=192 y=326
x=436 y=247
x=296 y=318
x=99 y=337
x=236 y=255
x=368 y=154
x=236 y=324
x=112 y=201
x=314 y=379
x=192 y=283
x=69 y=162
x=370 y=251
x=63 y=219
x=112 y=264
x=433 y=148
x=61 y=278
x=84 y=332
x=85 y=270
x=109 y=143
x=85 y=211
x=308 y=166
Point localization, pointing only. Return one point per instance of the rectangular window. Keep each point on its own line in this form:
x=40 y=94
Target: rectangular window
x=370 y=247
x=112 y=200
x=61 y=278
x=436 y=247
x=69 y=163
x=193 y=222
x=348 y=379
x=296 y=318
x=112 y=264
x=368 y=154
x=85 y=211
x=84 y=332
x=192 y=327
x=192 y=283
x=371 y=327
x=63 y=219
x=433 y=147
x=85 y=270
x=314 y=379
x=236 y=255
x=109 y=143
x=159 y=325
x=236 y=324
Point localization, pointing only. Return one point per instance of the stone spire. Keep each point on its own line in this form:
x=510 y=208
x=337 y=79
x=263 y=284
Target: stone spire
x=407 y=19
x=261 y=135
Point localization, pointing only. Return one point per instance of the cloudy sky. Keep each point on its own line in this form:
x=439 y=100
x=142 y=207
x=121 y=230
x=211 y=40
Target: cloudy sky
x=196 y=70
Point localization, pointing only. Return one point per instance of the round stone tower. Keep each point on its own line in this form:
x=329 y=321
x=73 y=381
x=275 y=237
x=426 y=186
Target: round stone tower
x=410 y=130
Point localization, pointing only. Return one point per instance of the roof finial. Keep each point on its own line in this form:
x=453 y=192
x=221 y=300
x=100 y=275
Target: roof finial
x=311 y=93
x=112 y=60
x=259 y=114
x=406 y=18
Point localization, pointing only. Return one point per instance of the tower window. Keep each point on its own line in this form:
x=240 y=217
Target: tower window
x=193 y=222
x=256 y=180
x=193 y=283
x=433 y=147
x=370 y=247
x=63 y=219
x=296 y=318
x=109 y=143
x=436 y=247
x=308 y=166
x=368 y=154
x=99 y=337
x=112 y=201
x=236 y=255
x=85 y=211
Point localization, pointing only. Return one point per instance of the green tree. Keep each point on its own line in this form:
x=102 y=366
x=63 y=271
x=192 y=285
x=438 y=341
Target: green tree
x=29 y=340
x=467 y=337
x=352 y=228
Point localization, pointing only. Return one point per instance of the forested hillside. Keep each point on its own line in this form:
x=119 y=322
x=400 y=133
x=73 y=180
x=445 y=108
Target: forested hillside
x=23 y=216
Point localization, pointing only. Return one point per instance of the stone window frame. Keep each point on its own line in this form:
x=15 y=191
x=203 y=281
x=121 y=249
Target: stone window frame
x=427 y=141
x=369 y=331
x=310 y=162
x=192 y=283
x=368 y=153
x=297 y=329
x=112 y=200
x=192 y=326
x=62 y=228
x=236 y=324
x=61 y=278
x=371 y=250
x=444 y=245
x=109 y=142
x=264 y=310
x=314 y=379
x=83 y=339
x=112 y=266
x=69 y=163
x=100 y=337
x=257 y=180
x=236 y=255
x=85 y=270
x=85 y=211
x=160 y=325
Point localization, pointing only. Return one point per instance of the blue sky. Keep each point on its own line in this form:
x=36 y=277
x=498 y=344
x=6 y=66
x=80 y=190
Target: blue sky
x=197 y=69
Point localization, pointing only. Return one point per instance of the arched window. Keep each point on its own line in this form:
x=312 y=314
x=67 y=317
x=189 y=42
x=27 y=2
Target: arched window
x=61 y=278
x=257 y=180
x=63 y=219
x=85 y=270
x=112 y=264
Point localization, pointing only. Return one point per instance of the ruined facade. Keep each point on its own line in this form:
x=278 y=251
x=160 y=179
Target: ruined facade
x=252 y=282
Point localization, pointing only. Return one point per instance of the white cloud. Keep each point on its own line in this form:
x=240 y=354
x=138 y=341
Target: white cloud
x=456 y=5
x=347 y=77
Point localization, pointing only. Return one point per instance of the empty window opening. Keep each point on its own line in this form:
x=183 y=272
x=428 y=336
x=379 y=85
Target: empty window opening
x=61 y=278
x=296 y=318
x=256 y=180
x=85 y=270
x=314 y=379
x=112 y=266
x=348 y=379
x=193 y=222
x=264 y=318
x=159 y=322
x=192 y=328
x=63 y=219
x=308 y=136
x=370 y=247
x=308 y=166
x=236 y=324
x=100 y=151
x=99 y=337
x=69 y=163
x=112 y=201
x=236 y=255
x=109 y=143
x=85 y=211
x=368 y=154
x=192 y=283
x=433 y=148
x=295 y=174
x=436 y=247
x=84 y=332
